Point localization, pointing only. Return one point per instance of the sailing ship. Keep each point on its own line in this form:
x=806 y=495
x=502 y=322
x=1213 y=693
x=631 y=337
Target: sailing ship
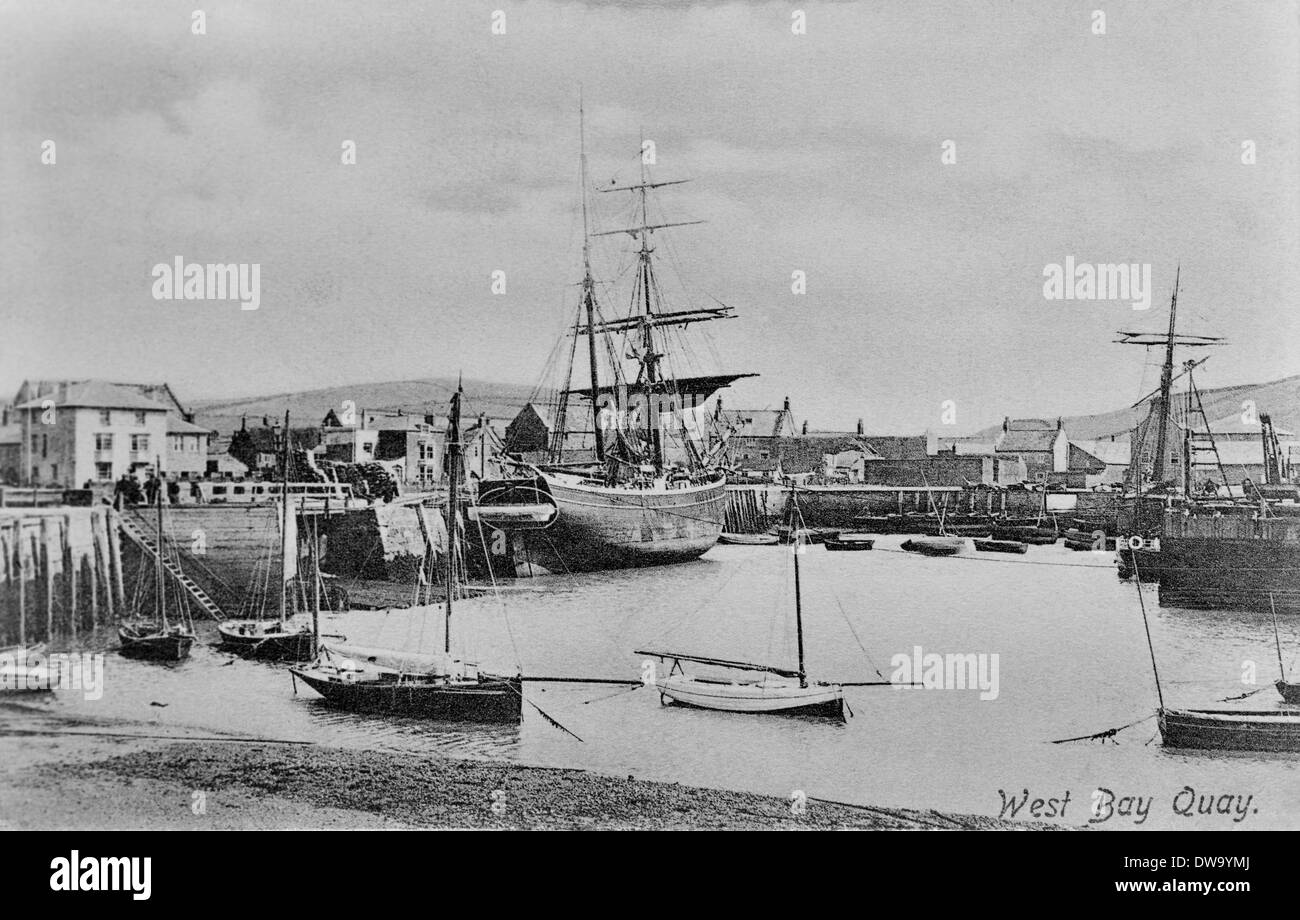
x=286 y=638
x=646 y=491
x=773 y=689
x=149 y=632
x=434 y=686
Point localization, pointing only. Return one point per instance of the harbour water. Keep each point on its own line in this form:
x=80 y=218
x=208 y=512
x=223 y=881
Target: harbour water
x=1068 y=636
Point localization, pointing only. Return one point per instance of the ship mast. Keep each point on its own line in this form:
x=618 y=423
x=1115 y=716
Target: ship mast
x=284 y=516
x=453 y=511
x=1166 y=384
x=158 y=557
x=796 y=522
x=588 y=292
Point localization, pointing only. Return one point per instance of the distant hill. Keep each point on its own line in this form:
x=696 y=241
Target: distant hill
x=1279 y=399
x=418 y=397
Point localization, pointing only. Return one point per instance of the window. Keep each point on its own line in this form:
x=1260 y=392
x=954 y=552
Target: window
x=139 y=417
x=105 y=416
x=139 y=443
x=103 y=441
x=45 y=445
x=54 y=472
x=104 y=471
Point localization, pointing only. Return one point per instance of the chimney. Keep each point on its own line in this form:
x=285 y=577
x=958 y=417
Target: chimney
x=787 y=404
x=1059 y=424
x=1006 y=423
x=805 y=421
x=861 y=429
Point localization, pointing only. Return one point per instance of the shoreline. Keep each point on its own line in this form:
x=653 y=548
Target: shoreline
x=70 y=780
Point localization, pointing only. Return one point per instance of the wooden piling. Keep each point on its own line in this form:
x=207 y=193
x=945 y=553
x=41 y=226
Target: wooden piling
x=48 y=561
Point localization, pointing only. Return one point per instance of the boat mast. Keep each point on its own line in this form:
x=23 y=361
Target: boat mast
x=453 y=511
x=1166 y=384
x=588 y=291
x=158 y=556
x=798 y=594
x=649 y=358
x=315 y=580
x=284 y=516
x=1276 y=639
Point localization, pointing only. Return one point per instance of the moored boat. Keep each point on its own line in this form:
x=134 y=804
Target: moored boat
x=850 y=542
x=149 y=632
x=749 y=539
x=287 y=637
x=432 y=686
x=756 y=688
x=934 y=546
x=1271 y=730
x=1001 y=546
x=149 y=640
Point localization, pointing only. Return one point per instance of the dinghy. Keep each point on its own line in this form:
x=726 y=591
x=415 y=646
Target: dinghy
x=749 y=539
x=850 y=542
x=1001 y=546
x=935 y=546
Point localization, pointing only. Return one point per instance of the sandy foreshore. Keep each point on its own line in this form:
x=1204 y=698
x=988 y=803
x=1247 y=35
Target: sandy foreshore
x=53 y=779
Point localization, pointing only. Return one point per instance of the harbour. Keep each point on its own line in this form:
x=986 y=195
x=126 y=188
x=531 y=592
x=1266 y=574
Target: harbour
x=1073 y=619
x=675 y=416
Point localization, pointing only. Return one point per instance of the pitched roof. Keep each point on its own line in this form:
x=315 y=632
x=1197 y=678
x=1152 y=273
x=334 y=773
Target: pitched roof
x=96 y=394
x=1033 y=439
x=756 y=423
x=180 y=426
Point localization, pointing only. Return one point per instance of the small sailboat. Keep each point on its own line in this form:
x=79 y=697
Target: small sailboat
x=429 y=686
x=1289 y=692
x=1268 y=730
x=766 y=688
x=150 y=633
x=286 y=638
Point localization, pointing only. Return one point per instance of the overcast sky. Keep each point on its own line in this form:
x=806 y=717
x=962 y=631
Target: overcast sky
x=818 y=152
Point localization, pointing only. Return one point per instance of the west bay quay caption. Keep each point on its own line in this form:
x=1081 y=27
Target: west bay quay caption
x=1105 y=805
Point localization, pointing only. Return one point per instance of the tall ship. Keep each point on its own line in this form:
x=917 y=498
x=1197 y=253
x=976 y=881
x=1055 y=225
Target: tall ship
x=625 y=465
x=1210 y=541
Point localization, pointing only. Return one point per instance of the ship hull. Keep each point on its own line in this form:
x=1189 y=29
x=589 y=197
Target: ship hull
x=605 y=528
x=1227 y=730
x=1230 y=573
x=490 y=699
